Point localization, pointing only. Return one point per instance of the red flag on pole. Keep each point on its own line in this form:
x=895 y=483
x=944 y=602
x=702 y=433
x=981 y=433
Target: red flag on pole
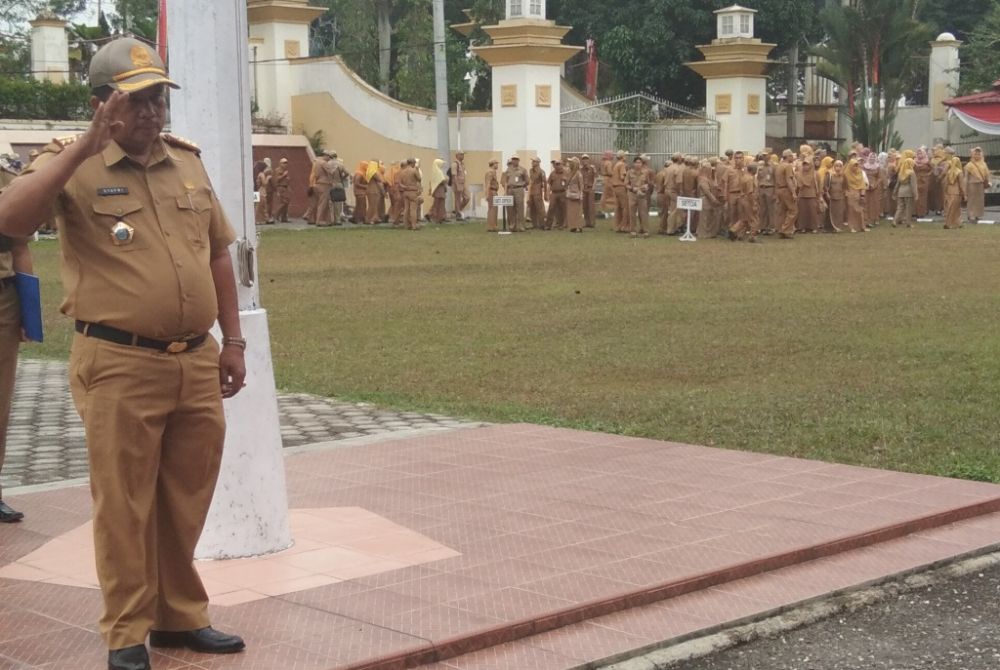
x=161 y=32
x=592 y=66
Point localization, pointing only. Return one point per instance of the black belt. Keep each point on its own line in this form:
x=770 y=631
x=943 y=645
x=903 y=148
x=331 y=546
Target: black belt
x=6 y=281
x=131 y=339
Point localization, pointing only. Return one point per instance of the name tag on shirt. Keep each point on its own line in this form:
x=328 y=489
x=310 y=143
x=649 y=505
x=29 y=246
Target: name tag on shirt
x=112 y=190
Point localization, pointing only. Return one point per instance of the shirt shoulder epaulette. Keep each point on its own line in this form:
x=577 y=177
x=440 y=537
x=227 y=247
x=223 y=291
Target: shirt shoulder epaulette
x=59 y=143
x=181 y=143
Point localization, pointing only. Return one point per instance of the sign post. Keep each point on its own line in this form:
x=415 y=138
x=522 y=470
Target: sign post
x=691 y=205
x=503 y=201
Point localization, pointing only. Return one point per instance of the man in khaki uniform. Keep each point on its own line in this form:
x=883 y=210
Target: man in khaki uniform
x=786 y=195
x=338 y=177
x=557 y=182
x=673 y=185
x=638 y=198
x=314 y=193
x=282 y=181
x=410 y=187
x=146 y=271
x=765 y=192
x=491 y=184
x=14 y=257
x=589 y=173
x=515 y=178
x=537 y=194
x=459 y=185
x=619 y=182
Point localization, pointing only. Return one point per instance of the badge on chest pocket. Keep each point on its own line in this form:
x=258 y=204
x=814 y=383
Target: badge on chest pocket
x=122 y=234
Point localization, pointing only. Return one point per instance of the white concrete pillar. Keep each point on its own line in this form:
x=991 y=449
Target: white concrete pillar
x=527 y=56
x=942 y=81
x=249 y=514
x=49 y=49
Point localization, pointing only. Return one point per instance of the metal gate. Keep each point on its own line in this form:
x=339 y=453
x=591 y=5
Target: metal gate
x=638 y=123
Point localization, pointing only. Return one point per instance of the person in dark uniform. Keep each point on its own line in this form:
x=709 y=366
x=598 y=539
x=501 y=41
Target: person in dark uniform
x=14 y=257
x=147 y=271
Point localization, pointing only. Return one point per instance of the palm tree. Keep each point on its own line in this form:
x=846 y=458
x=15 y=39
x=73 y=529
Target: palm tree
x=872 y=51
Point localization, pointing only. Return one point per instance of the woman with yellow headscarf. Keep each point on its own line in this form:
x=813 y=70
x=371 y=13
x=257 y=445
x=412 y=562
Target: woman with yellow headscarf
x=438 y=190
x=940 y=164
x=835 y=188
x=907 y=190
x=954 y=193
x=856 y=188
x=376 y=193
x=977 y=180
x=360 y=185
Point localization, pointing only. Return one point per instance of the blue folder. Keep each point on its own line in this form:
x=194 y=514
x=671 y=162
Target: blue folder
x=29 y=293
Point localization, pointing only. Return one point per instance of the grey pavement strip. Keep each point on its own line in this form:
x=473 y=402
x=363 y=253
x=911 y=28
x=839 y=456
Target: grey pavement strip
x=940 y=617
x=45 y=439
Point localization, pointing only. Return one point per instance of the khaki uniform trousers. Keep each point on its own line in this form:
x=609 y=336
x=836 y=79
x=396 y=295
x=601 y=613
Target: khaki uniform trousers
x=461 y=196
x=282 y=199
x=638 y=213
x=310 y=215
x=786 y=211
x=322 y=196
x=411 y=212
x=10 y=338
x=516 y=213
x=765 y=204
x=588 y=209
x=536 y=210
x=556 y=217
x=155 y=430
x=622 y=223
x=904 y=212
x=491 y=212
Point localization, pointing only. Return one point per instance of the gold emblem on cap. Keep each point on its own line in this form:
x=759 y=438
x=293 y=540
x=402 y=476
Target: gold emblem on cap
x=140 y=57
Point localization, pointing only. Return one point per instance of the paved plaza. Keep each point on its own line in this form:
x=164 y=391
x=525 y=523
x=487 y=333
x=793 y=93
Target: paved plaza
x=510 y=547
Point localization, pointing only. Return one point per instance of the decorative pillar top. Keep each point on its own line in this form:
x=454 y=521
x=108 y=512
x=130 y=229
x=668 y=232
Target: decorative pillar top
x=282 y=11
x=48 y=18
x=526 y=9
x=734 y=22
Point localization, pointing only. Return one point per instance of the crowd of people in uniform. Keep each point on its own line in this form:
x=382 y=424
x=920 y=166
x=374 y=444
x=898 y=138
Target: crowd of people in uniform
x=742 y=196
x=372 y=183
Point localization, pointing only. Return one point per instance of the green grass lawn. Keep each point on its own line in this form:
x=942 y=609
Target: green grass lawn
x=878 y=349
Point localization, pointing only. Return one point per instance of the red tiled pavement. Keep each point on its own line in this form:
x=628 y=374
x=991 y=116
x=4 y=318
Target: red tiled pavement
x=572 y=547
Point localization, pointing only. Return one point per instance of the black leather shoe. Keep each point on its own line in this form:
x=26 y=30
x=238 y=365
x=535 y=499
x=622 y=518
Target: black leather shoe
x=129 y=658
x=8 y=515
x=205 y=640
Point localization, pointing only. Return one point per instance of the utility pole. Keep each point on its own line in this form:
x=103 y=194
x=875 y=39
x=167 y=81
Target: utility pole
x=441 y=81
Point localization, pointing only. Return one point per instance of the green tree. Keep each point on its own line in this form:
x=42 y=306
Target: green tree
x=980 y=65
x=959 y=17
x=872 y=51
x=138 y=17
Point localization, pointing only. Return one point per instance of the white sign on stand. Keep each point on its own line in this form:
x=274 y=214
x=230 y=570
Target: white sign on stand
x=504 y=201
x=691 y=205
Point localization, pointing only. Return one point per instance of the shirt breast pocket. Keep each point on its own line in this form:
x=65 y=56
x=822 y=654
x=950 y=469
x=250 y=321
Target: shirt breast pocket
x=194 y=211
x=122 y=222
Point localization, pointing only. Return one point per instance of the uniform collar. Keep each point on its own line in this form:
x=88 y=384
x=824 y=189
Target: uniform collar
x=114 y=153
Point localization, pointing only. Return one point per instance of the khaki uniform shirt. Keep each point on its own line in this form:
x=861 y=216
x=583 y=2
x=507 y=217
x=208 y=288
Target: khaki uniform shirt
x=784 y=176
x=458 y=174
x=557 y=182
x=318 y=175
x=536 y=181
x=589 y=173
x=158 y=284
x=638 y=182
x=515 y=177
x=409 y=180
x=619 y=174
x=492 y=183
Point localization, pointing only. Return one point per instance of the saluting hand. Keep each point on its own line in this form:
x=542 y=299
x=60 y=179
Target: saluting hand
x=104 y=124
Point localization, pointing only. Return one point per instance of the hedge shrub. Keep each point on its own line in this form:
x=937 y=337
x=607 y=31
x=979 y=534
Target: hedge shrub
x=43 y=100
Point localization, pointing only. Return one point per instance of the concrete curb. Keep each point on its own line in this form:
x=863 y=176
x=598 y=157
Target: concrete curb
x=783 y=620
